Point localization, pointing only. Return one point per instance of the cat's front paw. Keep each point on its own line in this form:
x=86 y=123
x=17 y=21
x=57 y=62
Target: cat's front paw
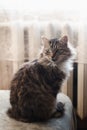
x=60 y=107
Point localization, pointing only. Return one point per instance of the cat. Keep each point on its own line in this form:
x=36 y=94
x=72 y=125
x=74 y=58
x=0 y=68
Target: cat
x=35 y=86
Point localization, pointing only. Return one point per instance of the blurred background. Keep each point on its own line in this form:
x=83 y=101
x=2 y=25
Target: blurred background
x=23 y=22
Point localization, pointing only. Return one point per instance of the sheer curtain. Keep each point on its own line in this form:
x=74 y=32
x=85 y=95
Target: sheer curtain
x=20 y=40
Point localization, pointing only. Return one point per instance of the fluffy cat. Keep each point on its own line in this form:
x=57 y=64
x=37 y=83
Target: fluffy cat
x=36 y=84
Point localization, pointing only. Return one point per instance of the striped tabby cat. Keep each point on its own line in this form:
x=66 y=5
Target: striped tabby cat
x=36 y=84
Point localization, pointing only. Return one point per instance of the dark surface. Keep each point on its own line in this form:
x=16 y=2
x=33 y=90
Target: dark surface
x=81 y=124
x=75 y=75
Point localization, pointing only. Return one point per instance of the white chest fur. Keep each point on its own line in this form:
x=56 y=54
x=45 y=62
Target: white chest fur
x=67 y=66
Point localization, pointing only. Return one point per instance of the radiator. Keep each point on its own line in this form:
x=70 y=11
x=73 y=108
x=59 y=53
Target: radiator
x=20 y=42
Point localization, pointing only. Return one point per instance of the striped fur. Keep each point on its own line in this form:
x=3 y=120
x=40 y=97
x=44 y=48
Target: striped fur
x=35 y=86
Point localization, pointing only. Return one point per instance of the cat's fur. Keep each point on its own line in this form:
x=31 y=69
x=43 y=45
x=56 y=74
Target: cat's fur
x=36 y=84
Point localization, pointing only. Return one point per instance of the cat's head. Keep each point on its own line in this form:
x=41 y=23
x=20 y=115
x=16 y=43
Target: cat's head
x=56 y=49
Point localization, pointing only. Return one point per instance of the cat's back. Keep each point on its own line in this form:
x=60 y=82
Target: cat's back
x=30 y=92
x=25 y=72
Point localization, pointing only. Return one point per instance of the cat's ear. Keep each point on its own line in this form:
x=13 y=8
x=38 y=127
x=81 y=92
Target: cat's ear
x=45 y=42
x=63 y=40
